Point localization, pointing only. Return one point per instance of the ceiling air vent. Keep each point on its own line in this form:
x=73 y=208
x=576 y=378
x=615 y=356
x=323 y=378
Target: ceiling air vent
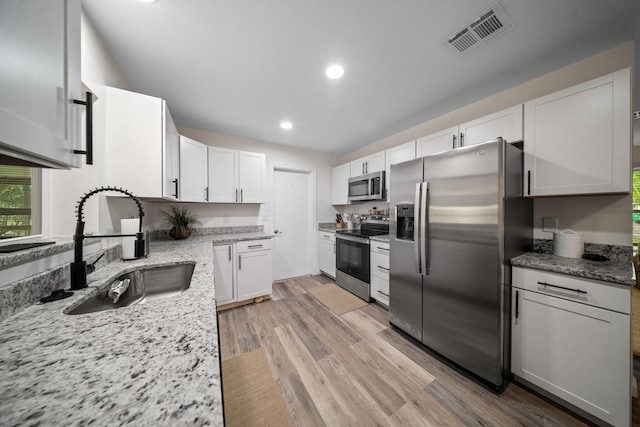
x=485 y=26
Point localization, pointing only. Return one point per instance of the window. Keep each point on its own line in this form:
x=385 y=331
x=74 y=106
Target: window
x=636 y=207
x=19 y=202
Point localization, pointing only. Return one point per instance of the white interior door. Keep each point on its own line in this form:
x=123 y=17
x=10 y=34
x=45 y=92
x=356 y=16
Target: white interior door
x=293 y=217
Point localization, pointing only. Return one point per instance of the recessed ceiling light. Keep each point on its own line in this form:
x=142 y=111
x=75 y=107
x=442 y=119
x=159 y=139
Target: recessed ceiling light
x=334 y=72
x=286 y=125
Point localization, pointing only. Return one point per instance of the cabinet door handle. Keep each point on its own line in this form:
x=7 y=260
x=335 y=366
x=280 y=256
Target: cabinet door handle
x=454 y=142
x=384 y=268
x=517 y=310
x=381 y=248
x=229 y=252
x=206 y=194
x=88 y=103
x=239 y=262
x=580 y=291
x=366 y=167
x=236 y=194
x=386 y=295
x=241 y=197
x=254 y=246
x=529 y=182
x=461 y=139
x=175 y=182
x=363 y=169
x=326 y=235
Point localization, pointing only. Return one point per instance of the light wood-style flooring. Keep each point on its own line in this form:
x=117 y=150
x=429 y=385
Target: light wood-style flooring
x=354 y=370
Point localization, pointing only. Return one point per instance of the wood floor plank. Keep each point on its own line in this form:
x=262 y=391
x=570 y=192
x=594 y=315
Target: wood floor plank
x=358 y=398
x=378 y=313
x=300 y=405
x=245 y=334
x=228 y=342
x=386 y=397
x=326 y=398
x=362 y=322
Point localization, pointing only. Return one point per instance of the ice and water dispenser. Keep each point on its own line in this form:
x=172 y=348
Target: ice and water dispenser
x=404 y=229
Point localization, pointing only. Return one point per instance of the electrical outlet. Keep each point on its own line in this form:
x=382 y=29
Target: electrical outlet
x=550 y=223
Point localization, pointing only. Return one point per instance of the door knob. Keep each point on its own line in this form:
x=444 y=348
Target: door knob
x=275 y=231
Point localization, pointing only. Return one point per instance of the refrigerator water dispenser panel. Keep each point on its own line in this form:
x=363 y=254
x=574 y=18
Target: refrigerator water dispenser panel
x=405 y=222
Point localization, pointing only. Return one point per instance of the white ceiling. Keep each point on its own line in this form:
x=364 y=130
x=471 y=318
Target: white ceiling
x=240 y=67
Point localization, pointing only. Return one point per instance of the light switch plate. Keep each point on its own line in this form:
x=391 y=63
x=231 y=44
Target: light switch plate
x=550 y=223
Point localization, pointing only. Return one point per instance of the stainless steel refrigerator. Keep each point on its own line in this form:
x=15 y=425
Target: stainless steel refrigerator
x=457 y=218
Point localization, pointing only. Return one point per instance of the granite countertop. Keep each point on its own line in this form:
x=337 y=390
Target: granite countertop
x=149 y=364
x=382 y=238
x=327 y=226
x=614 y=271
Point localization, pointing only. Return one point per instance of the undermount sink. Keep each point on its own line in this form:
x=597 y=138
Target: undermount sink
x=146 y=284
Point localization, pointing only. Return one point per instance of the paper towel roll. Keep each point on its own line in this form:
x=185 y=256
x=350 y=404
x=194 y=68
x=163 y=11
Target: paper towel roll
x=129 y=226
x=568 y=243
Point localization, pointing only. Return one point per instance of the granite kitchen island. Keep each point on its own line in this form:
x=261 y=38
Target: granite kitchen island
x=150 y=364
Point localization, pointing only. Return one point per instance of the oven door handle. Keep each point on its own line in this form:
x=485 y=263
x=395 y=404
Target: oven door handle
x=361 y=240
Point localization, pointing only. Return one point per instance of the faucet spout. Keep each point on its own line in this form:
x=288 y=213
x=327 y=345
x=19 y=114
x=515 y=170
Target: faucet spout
x=79 y=266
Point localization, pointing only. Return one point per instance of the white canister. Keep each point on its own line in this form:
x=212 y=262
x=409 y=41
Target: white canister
x=349 y=224
x=568 y=243
x=129 y=226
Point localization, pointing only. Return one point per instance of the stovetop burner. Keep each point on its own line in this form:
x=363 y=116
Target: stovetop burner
x=370 y=226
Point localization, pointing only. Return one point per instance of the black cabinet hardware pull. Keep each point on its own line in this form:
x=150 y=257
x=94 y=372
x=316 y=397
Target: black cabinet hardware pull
x=241 y=198
x=386 y=295
x=236 y=194
x=381 y=248
x=254 y=246
x=206 y=194
x=88 y=103
x=528 y=182
x=517 y=298
x=562 y=287
x=175 y=182
x=229 y=252
x=384 y=268
x=239 y=262
x=454 y=141
x=461 y=139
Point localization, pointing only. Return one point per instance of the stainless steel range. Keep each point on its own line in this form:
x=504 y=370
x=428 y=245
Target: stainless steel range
x=352 y=255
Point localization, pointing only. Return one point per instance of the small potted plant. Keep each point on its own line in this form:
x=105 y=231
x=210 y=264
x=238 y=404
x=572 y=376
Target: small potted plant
x=181 y=219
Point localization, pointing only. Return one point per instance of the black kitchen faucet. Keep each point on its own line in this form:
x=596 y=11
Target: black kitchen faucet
x=79 y=266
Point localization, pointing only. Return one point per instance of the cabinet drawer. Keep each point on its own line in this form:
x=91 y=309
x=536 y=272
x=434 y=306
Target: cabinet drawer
x=380 y=290
x=610 y=296
x=327 y=235
x=253 y=245
x=379 y=247
x=380 y=265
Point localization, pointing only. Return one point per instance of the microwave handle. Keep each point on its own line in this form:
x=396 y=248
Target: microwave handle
x=371 y=186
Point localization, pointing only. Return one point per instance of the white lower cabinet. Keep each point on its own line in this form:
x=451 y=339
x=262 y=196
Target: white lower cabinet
x=224 y=272
x=569 y=340
x=380 y=271
x=242 y=271
x=327 y=253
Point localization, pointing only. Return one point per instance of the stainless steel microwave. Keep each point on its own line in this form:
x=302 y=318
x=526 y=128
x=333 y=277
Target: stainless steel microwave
x=367 y=187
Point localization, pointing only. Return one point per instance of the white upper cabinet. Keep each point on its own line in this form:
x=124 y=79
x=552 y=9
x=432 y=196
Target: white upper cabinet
x=506 y=124
x=40 y=68
x=578 y=140
x=340 y=184
x=437 y=142
x=236 y=176
x=193 y=170
x=251 y=177
x=373 y=163
x=143 y=147
x=395 y=155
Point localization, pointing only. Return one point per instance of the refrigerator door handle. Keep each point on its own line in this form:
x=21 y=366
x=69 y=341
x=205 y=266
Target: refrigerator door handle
x=416 y=229
x=424 y=235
